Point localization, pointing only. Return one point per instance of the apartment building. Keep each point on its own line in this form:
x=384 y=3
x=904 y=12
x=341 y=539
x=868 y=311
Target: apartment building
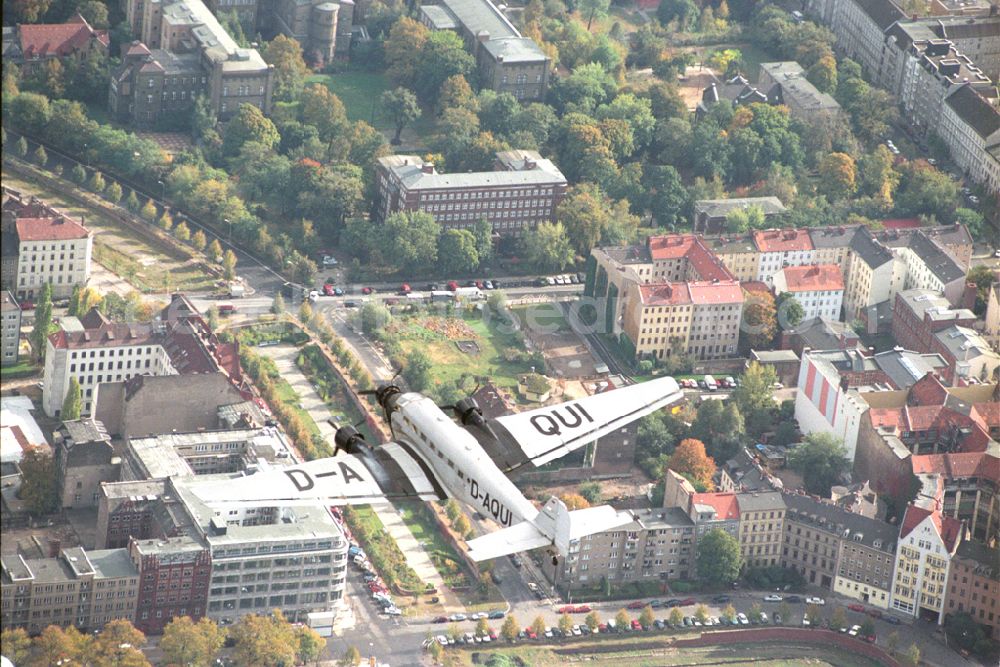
x=69 y=43
x=918 y=314
x=762 y=516
x=874 y=275
x=10 y=328
x=786 y=83
x=95 y=350
x=927 y=544
x=738 y=253
x=929 y=266
x=659 y=545
x=779 y=248
x=84 y=458
x=818 y=288
x=819 y=334
x=507 y=62
x=709 y=216
x=839 y=550
x=79 y=588
x=42 y=245
x=974 y=585
x=183 y=52
x=991 y=330
x=967 y=355
x=970 y=126
x=523 y=190
x=964 y=484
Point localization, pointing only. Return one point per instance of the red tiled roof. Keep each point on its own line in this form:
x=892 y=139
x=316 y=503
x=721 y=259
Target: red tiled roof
x=50 y=229
x=928 y=390
x=819 y=277
x=672 y=246
x=782 y=240
x=58 y=39
x=987 y=414
x=716 y=292
x=755 y=286
x=688 y=246
x=948 y=528
x=958 y=465
x=664 y=294
x=138 y=49
x=725 y=504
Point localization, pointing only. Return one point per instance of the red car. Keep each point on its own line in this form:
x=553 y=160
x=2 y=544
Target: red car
x=452 y=285
x=531 y=633
x=27 y=305
x=870 y=639
x=582 y=609
x=875 y=613
x=328 y=289
x=367 y=290
x=566 y=609
x=479 y=284
x=638 y=604
x=856 y=607
x=686 y=602
x=404 y=289
x=636 y=625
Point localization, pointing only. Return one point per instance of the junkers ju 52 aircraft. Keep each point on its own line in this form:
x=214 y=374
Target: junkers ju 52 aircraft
x=432 y=457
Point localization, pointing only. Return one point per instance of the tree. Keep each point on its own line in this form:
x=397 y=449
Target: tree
x=443 y=55
x=73 y=402
x=721 y=426
x=755 y=397
x=892 y=642
x=719 y=559
x=309 y=644
x=290 y=68
x=925 y=190
x=701 y=613
x=417 y=370
x=21 y=148
x=132 y=201
x=538 y=626
x=406 y=39
x=43 y=320
x=837 y=174
x=510 y=629
x=565 y=624
x=55 y=646
x=114 y=192
x=278 y=305
x=456 y=93
x=790 y=311
x=973 y=221
x=214 y=250
x=646 y=618
x=411 y=240
x=263 y=640
x=867 y=628
x=689 y=458
x=729 y=613
x=821 y=460
x=683 y=11
x=16 y=644
x=97 y=182
x=185 y=642
x=452 y=509
x=457 y=251
x=839 y=618
x=482 y=234
x=547 y=247
x=785 y=612
x=305 y=312
x=621 y=619
x=755 y=612
x=574 y=501
x=591 y=491
x=374 y=318
x=593 y=620
x=741 y=220
x=166 y=221
x=40 y=157
x=759 y=323
x=677 y=617
x=249 y=124
x=182 y=232
x=352 y=657
x=229 y=264
x=823 y=73
x=400 y=108
x=77 y=174
x=148 y=211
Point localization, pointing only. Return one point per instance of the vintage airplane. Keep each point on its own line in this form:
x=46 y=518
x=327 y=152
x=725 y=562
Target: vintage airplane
x=433 y=457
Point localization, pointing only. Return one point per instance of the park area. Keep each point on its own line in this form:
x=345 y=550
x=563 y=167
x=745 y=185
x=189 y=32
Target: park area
x=148 y=266
x=456 y=346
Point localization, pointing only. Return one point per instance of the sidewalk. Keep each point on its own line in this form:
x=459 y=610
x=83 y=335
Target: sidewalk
x=284 y=359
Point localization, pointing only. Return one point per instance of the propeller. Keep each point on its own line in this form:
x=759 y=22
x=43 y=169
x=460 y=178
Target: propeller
x=385 y=395
x=347 y=438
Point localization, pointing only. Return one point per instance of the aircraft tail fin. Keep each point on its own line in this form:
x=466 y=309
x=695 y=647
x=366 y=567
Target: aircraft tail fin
x=555 y=525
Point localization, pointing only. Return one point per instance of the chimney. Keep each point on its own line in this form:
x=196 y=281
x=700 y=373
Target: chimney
x=529 y=164
x=427 y=168
x=968 y=296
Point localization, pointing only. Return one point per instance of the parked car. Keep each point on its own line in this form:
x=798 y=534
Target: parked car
x=367 y=290
x=405 y=289
x=742 y=618
x=857 y=607
x=328 y=289
x=875 y=613
x=488 y=284
x=815 y=600
x=496 y=614
x=581 y=609
x=793 y=599
x=636 y=625
x=854 y=630
x=457 y=617
x=440 y=619
x=687 y=602
x=772 y=598
x=892 y=620
x=329 y=260
x=672 y=603
x=720 y=599
x=777 y=618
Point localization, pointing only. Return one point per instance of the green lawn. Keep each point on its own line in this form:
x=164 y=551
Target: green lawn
x=21 y=369
x=358 y=91
x=546 y=316
x=449 y=363
x=289 y=397
x=383 y=551
x=417 y=518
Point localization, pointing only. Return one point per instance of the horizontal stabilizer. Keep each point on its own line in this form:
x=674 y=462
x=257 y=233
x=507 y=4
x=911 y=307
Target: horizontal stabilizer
x=520 y=537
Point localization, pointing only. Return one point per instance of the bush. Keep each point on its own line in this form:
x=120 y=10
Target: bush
x=97 y=183
x=148 y=211
x=114 y=192
x=78 y=174
x=40 y=157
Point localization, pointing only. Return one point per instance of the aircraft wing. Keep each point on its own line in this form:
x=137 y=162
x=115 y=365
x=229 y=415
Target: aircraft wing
x=340 y=480
x=551 y=432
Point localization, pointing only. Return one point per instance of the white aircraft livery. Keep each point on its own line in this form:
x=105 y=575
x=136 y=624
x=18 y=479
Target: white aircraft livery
x=433 y=457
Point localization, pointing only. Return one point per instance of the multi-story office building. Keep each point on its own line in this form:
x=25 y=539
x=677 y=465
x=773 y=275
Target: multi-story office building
x=79 y=588
x=927 y=543
x=507 y=62
x=918 y=314
x=819 y=288
x=174 y=576
x=183 y=52
x=96 y=350
x=45 y=246
x=522 y=191
x=974 y=585
x=10 y=328
x=762 y=516
x=659 y=545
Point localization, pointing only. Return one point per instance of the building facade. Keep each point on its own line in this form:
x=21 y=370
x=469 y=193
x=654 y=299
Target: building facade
x=521 y=192
x=927 y=543
x=68 y=42
x=174 y=576
x=762 y=516
x=918 y=314
x=84 y=459
x=819 y=288
x=10 y=328
x=974 y=586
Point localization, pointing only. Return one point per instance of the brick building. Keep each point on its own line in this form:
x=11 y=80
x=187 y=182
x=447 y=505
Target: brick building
x=174 y=577
x=920 y=313
x=68 y=42
x=523 y=190
x=974 y=586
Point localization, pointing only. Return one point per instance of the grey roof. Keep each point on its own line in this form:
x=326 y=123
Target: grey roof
x=478 y=16
x=731 y=244
x=871 y=251
x=439 y=17
x=660 y=517
x=171 y=545
x=977 y=113
x=922 y=301
x=966 y=27
x=86 y=430
x=413 y=177
x=627 y=254
x=988 y=559
x=794 y=86
x=945 y=235
x=720 y=208
x=760 y=501
x=213 y=40
x=775 y=356
x=962 y=342
x=8 y=302
x=746 y=474
x=112 y=564
x=904 y=367
x=820 y=333
x=940 y=263
x=883 y=12
x=177 y=63
x=832 y=237
x=515 y=50
x=835 y=520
